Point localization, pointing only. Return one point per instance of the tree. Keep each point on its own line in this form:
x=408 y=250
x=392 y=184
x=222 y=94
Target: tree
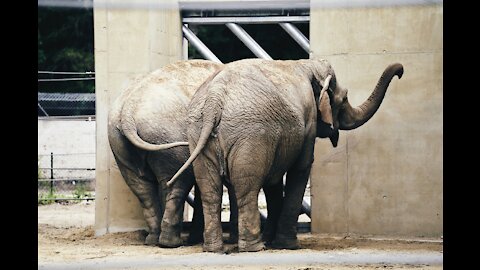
x=65 y=43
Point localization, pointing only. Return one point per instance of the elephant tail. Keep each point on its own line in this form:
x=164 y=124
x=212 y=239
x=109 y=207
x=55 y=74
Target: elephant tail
x=202 y=141
x=129 y=127
x=132 y=135
x=212 y=111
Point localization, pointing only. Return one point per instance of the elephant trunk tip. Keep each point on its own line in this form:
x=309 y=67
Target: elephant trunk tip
x=398 y=69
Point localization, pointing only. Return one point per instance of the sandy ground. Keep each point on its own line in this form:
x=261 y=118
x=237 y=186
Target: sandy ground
x=66 y=241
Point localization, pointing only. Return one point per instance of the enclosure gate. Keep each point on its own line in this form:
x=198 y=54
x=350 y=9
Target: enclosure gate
x=202 y=14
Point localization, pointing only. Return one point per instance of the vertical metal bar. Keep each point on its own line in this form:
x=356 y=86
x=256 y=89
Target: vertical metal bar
x=197 y=43
x=51 y=173
x=296 y=35
x=306 y=209
x=190 y=199
x=248 y=41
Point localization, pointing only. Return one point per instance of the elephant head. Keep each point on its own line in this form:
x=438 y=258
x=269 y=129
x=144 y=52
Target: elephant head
x=334 y=110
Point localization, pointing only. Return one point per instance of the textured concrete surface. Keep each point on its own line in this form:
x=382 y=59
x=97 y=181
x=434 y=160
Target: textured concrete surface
x=128 y=43
x=386 y=177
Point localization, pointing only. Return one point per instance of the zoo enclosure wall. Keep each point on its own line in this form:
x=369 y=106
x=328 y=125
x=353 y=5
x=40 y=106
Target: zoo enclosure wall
x=385 y=178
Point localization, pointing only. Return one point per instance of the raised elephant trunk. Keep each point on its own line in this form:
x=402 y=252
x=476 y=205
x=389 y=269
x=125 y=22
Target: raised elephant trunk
x=350 y=118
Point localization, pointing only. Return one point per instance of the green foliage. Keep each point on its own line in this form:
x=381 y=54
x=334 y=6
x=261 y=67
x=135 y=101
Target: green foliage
x=81 y=191
x=65 y=43
x=48 y=198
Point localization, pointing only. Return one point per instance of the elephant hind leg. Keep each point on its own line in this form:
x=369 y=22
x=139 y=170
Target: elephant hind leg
x=173 y=216
x=211 y=188
x=146 y=189
x=249 y=235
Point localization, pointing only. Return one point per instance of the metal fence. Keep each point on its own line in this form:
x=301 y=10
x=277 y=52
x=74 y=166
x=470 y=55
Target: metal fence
x=65 y=104
x=65 y=177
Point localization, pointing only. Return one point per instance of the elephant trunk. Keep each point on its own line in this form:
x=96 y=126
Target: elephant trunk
x=350 y=118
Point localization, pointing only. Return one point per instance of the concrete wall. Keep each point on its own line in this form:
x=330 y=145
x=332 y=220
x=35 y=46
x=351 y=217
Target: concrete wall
x=386 y=177
x=62 y=136
x=128 y=43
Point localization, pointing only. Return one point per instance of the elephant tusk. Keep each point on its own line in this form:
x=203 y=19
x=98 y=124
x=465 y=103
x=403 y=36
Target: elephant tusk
x=326 y=84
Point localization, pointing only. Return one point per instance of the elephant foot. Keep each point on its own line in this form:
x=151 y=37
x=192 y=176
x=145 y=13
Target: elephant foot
x=214 y=247
x=284 y=244
x=170 y=240
x=195 y=238
x=244 y=246
x=152 y=239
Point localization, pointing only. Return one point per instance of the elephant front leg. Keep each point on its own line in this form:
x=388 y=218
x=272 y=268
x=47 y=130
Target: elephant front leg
x=274 y=198
x=233 y=224
x=173 y=216
x=286 y=234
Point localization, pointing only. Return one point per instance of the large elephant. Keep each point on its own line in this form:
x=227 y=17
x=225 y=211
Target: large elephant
x=257 y=120
x=153 y=110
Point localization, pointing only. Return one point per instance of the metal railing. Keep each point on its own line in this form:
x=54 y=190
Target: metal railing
x=60 y=180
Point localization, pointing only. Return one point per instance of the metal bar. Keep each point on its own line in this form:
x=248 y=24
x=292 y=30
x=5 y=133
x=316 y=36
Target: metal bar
x=70 y=169
x=248 y=41
x=66 y=79
x=65 y=199
x=41 y=108
x=246 y=20
x=75 y=154
x=66 y=72
x=64 y=179
x=68 y=117
x=51 y=173
x=197 y=43
x=306 y=209
x=190 y=199
x=296 y=35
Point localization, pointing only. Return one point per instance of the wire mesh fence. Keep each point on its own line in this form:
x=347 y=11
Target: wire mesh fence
x=66 y=177
x=65 y=104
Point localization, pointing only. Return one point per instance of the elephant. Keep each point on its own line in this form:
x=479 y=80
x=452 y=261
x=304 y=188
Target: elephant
x=253 y=122
x=153 y=110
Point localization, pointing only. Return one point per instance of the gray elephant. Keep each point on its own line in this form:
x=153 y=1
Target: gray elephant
x=257 y=120
x=153 y=110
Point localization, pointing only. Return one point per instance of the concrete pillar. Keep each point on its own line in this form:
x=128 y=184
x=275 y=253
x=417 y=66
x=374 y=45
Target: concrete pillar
x=128 y=43
x=386 y=177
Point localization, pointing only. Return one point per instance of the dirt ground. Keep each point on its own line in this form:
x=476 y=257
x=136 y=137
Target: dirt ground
x=66 y=237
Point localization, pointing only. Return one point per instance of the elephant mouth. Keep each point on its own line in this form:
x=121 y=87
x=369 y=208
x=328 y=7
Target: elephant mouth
x=325 y=130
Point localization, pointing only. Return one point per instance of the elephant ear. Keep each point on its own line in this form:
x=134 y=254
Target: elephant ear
x=325 y=109
x=326 y=112
x=324 y=103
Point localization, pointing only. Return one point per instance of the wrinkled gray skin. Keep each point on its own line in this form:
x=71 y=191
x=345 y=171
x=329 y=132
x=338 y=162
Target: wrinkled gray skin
x=253 y=122
x=153 y=110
